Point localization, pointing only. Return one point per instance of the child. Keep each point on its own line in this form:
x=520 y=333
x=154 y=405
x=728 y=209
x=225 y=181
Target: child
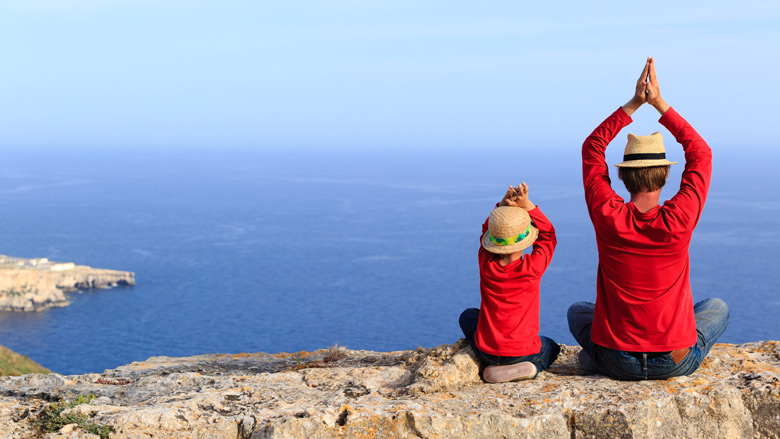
x=504 y=332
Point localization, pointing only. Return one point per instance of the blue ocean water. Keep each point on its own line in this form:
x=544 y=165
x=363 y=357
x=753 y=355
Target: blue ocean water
x=284 y=250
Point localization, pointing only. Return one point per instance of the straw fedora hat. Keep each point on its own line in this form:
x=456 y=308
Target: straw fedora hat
x=509 y=230
x=644 y=151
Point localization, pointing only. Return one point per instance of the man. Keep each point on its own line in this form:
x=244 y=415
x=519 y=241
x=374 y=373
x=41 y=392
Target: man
x=644 y=324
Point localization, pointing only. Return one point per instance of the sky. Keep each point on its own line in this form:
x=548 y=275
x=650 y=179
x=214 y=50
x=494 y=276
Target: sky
x=376 y=74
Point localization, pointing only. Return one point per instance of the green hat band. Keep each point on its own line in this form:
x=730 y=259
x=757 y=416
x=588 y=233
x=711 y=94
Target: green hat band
x=510 y=241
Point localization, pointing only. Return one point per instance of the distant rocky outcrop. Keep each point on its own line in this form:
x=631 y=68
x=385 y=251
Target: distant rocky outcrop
x=37 y=284
x=425 y=393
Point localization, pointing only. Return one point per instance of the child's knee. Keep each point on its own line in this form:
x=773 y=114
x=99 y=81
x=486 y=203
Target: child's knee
x=468 y=320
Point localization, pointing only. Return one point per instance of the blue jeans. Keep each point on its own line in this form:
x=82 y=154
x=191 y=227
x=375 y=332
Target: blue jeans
x=546 y=356
x=712 y=317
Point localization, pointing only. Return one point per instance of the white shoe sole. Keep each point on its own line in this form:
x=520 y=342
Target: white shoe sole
x=511 y=372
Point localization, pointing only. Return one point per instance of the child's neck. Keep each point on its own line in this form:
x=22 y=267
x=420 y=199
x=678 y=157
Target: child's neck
x=507 y=259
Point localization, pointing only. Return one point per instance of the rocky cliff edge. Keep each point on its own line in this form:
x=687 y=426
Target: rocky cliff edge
x=37 y=284
x=425 y=393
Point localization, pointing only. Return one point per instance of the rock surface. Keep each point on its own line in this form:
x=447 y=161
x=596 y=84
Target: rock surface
x=425 y=393
x=37 y=284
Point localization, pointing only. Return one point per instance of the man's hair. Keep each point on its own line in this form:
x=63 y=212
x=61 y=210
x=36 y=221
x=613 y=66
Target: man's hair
x=645 y=179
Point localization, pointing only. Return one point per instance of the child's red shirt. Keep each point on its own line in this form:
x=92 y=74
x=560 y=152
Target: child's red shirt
x=509 y=315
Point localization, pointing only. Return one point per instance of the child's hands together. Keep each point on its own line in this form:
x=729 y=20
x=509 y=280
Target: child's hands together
x=517 y=197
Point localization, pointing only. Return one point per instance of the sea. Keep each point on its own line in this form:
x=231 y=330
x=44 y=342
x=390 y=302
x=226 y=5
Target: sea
x=290 y=249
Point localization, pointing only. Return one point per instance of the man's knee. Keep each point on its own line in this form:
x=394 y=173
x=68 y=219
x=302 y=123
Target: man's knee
x=713 y=305
x=720 y=305
x=712 y=318
x=575 y=312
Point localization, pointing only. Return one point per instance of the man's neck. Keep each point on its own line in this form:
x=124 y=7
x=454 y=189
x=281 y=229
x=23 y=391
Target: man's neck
x=645 y=201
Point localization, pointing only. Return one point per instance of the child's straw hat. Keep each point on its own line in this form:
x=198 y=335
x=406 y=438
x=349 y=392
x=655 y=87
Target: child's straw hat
x=509 y=230
x=644 y=151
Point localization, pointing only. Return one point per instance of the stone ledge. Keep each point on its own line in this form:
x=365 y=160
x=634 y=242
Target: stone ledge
x=425 y=393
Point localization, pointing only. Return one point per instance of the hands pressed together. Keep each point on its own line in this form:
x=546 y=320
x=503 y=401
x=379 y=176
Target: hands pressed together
x=647 y=90
x=517 y=197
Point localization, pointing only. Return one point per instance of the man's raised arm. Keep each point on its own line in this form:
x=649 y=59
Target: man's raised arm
x=688 y=203
x=595 y=173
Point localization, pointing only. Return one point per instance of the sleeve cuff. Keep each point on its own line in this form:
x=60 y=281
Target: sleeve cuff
x=622 y=115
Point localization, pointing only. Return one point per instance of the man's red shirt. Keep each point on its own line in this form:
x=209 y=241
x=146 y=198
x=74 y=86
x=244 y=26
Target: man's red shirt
x=509 y=314
x=643 y=292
